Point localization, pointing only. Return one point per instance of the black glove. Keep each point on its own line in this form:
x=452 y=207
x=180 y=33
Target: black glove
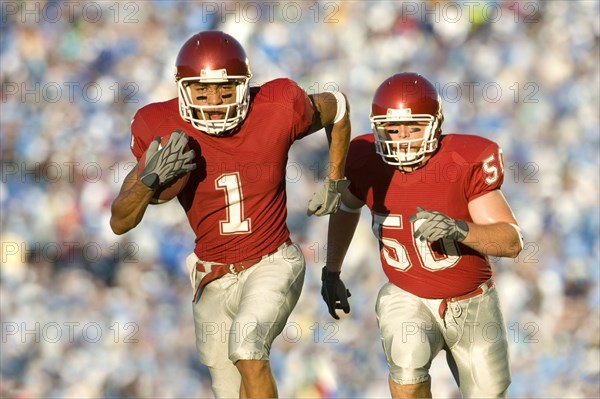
x=334 y=293
x=166 y=163
x=437 y=225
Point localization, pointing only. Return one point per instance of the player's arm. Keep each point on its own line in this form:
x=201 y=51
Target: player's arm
x=161 y=166
x=342 y=225
x=333 y=114
x=494 y=230
x=128 y=208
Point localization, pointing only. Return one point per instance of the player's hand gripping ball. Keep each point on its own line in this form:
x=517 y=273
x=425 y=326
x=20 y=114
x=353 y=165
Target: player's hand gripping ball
x=166 y=165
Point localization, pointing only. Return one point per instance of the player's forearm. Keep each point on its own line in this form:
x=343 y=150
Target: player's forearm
x=342 y=226
x=338 y=147
x=129 y=207
x=497 y=239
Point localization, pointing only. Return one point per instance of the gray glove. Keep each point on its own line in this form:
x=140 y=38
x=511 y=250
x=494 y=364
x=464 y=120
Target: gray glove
x=327 y=200
x=166 y=163
x=437 y=226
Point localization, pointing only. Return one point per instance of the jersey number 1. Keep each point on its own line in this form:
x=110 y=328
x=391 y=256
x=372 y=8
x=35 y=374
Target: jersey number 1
x=235 y=222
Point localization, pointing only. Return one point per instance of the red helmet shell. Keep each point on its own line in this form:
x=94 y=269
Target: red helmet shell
x=211 y=50
x=407 y=90
x=405 y=98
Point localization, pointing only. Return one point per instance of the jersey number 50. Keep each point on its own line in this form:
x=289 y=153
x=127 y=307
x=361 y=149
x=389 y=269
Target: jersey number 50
x=396 y=254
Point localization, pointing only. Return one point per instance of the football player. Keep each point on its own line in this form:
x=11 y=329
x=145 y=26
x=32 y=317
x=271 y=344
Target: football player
x=438 y=213
x=246 y=273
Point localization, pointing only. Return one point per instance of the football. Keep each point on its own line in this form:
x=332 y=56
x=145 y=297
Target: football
x=170 y=190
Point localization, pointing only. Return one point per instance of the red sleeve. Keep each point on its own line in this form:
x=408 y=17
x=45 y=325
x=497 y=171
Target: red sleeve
x=487 y=174
x=360 y=149
x=303 y=113
x=286 y=93
x=139 y=136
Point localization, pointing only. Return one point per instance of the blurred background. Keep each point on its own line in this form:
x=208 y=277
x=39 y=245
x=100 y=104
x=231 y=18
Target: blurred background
x=87 y=314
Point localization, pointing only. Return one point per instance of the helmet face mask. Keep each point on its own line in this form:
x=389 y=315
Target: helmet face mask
x=199 y=115
x=409 y=151
x=402 y=101
x=212 y=59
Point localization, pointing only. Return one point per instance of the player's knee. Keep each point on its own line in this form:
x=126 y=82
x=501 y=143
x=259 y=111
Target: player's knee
x=404 y=389
x=408 y=376
x=252 y=368
x=408 y=357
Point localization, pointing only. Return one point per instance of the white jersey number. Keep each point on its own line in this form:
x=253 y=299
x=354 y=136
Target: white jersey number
x=234 y=200
x=493 y=167
x=396 y=254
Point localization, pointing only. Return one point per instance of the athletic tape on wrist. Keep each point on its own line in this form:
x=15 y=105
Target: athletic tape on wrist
x=341 y=105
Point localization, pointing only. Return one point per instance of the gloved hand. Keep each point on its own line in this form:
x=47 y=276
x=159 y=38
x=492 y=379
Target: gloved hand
x=437 y=225
x=334 y=293
x=327 y=200
x=166 y=163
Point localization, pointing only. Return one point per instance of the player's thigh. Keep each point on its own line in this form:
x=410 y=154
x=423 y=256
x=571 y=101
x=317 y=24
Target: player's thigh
x=481 y=355
x=213 y=320
x=409 y=334
x=269 y=294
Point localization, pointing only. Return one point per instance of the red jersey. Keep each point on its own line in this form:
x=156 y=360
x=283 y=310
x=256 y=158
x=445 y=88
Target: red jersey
x=464 y=167
x=235 y=199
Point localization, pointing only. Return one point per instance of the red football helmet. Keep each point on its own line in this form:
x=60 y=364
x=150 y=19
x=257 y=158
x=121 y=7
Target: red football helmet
x=213 y=57
x=406 y=97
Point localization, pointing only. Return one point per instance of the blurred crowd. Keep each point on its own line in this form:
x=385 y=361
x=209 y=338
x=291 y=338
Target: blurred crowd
x=86 y=313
